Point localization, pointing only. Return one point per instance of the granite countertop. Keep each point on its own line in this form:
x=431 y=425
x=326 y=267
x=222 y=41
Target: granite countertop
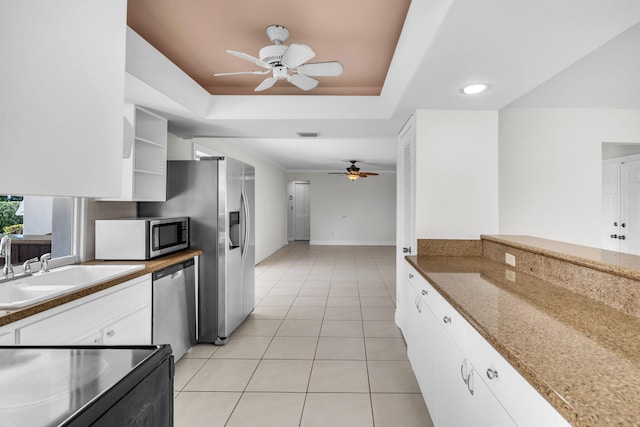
x=618 y=263
x=582 y=356
x=10 y=316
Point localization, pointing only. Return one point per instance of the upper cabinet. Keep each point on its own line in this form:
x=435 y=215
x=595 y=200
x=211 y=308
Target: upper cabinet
x=144 y=155
x=62 y=74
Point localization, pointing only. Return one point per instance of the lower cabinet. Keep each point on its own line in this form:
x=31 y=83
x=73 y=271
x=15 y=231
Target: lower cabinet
x=454 y=392
x=7 y=336
x=463 y=379
x=116 y=316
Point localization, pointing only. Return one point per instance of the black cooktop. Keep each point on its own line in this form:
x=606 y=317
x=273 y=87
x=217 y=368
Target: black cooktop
x=46 y=386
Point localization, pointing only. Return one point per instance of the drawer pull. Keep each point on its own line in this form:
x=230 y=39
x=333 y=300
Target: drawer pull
x=470 y=385
x=424 y=292
x=410 y=276
x=111 y=333
x=463 y=372
x=492 y=374
x=446 y=319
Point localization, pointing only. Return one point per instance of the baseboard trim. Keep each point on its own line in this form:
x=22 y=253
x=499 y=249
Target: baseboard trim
x=350 y=243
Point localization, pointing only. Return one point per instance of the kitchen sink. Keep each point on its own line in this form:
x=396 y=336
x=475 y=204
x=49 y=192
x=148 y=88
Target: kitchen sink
x=27 y=290
x=17 y=296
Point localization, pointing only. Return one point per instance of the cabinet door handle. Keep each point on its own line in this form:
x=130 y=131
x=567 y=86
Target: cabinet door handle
x=446 y=319
x=418 y=304
x=492 y=374
x=463 y=372
x=424 y=292
x=410 y=276
x=470 y=385
x=111 y=333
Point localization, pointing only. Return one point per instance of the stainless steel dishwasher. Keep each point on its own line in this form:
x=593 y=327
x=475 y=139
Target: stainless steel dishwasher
x=174 y=307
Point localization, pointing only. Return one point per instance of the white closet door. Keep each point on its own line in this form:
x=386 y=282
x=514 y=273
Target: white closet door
x=301 y=211
x=406 y=191
x=610 y=206
x=629 y=234
x=621 y=204
x=405 y=213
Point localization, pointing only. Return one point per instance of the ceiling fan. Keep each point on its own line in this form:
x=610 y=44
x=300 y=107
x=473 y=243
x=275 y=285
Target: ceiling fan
x=353 y=172
x=286 y=62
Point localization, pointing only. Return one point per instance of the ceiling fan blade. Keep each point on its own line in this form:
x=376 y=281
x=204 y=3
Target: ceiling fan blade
x=368 y=174
x=266 y=84
x=303 y=82
x=296 y=55
x=241 y=72
x=329 y=69
x=249 y=58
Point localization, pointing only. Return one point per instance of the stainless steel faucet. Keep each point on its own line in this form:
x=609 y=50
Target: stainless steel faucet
x=44 y=262
x=26 y=267
x=5 y=251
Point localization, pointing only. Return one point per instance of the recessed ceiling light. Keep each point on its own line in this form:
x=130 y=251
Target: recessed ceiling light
x=474 y=89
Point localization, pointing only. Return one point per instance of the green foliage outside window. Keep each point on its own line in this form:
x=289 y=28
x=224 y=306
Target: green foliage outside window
x=8 y=215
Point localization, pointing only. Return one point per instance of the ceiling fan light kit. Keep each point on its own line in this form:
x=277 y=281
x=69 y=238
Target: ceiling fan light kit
x=353 y=172
x=280 y=60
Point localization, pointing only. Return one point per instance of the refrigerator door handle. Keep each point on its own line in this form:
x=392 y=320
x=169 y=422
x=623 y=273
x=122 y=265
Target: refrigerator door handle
x=247 y=222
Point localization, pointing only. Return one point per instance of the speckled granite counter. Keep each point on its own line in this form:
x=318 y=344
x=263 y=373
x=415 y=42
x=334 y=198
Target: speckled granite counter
x=581 y=355
x=10 y=316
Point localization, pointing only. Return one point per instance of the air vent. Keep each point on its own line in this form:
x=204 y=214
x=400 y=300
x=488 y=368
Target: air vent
x=307 y=134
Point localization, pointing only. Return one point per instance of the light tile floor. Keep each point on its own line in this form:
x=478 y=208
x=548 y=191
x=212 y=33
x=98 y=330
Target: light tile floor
x=320 y=349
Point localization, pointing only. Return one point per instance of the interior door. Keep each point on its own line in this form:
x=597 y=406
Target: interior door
x=629 y=234
x=405 y=210
x=301 y=211
x=610 y=206
x=621 y=204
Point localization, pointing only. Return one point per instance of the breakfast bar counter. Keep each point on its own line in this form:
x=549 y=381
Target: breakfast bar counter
x=581 y=355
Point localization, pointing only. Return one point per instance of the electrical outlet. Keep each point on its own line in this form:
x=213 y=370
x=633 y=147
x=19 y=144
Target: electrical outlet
x=510 y=259
x=510 y=275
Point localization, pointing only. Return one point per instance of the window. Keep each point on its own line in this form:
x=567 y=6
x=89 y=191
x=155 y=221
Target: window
x=38 y=225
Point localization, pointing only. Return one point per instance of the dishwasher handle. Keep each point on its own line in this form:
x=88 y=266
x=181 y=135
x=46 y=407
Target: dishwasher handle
x=173 y=270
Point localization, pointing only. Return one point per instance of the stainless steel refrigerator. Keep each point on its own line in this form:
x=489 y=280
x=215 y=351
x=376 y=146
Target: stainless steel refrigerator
x=218 y=196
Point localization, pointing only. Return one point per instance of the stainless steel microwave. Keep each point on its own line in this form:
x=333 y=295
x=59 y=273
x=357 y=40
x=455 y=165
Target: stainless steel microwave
x=140 y=238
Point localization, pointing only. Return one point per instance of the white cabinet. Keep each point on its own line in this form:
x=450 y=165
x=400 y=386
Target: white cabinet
x=116 y=316
x=463 y=379
x=62 y=74
x=131 y=329
x=7 y=335
x=144 y=152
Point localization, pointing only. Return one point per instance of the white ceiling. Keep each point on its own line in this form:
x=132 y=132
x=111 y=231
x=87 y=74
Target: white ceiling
x=547 y=53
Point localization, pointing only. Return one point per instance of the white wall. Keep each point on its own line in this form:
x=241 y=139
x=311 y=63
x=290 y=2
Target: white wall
x=61 y=107
x=551 y=169
x=456 y=174
x=271 y=208
x=343 y=212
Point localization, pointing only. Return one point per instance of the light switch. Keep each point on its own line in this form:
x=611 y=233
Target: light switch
x=510 y=259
